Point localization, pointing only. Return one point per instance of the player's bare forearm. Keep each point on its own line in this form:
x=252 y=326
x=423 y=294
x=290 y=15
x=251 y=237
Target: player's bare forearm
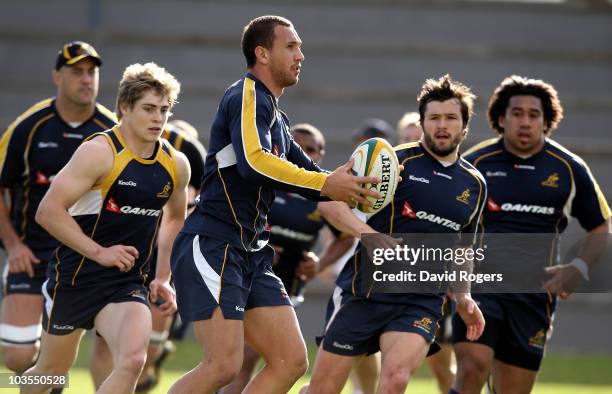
x=173 y=218
x=462 y=288
x=7 y=231
x=595 y=243
x=54 y=218
x=89 y=164
x=336 y=249
x=341 y=217
x=167 y=233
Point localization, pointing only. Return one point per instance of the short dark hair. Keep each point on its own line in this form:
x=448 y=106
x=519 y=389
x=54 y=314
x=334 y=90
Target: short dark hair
x=515 y=85
x=260 y=32
x=445 y=88
x=308 y=129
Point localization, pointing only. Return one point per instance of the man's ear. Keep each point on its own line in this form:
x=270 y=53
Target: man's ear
x=262 y=55
x=123 y=108
x=55 y=76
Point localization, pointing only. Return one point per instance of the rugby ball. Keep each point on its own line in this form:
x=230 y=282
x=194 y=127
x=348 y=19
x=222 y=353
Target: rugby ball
x=376 y=157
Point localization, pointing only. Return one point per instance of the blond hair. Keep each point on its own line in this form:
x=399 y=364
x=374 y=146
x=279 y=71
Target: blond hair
x=140 y=78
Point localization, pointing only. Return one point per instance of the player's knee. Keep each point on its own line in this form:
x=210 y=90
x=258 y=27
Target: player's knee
x=442 y=373
x=223 y=370
x=324 y=385
x=133 y=362
x=225 y=376
x=471 y=372
x=19 y=359
x=250 y=360
x=296 y=365
x=395 y=378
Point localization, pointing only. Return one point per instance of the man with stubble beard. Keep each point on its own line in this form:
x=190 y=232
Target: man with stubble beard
x=221 y=260
x=32 y=151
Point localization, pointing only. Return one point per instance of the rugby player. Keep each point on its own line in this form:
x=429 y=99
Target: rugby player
x=434 y=180
x=184 y=138
x=221 y=262
x=441 y=364
x=408 y=128
x=555 y=183
x=105 y=207
x=32 y=151
x=294 y=224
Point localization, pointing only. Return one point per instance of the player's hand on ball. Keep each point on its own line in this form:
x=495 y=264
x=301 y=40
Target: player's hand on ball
x=471 y=315
x=163 y=295
x=341 y=185
x=120 y=256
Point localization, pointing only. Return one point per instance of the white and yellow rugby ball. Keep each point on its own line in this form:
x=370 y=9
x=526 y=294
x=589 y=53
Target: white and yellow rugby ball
x=376 y=157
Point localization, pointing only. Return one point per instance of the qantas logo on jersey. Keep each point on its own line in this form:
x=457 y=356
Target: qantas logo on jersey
x=409 y=212
x=112 y=206
x=492 y=205
x=523 y=167
x=42 y=179
x=526 y=208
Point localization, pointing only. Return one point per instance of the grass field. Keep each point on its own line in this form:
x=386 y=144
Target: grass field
x=560 y=374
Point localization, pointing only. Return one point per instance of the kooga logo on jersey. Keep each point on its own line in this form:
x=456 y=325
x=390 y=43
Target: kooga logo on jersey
x=112 y=206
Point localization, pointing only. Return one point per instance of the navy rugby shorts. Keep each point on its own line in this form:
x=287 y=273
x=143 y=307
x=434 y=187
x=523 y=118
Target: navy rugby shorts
x=21 y=283
x=68 y=308
x=210 y=273
x=517 y=331
x=354 y=324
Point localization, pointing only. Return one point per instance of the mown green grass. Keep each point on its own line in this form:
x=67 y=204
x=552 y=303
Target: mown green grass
x=560 y=374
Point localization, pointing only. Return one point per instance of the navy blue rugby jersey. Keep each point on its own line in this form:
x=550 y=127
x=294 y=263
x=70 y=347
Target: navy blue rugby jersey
x=431 y=198
x=294 y=224
x=124 y=209
x=33 y=150
x=192 y=148
x=537 y=194
x=251 y=153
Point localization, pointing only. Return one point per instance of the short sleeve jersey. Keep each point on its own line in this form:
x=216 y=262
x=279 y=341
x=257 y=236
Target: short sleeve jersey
x=537 y=194
x=33 y=150
x=431 y=198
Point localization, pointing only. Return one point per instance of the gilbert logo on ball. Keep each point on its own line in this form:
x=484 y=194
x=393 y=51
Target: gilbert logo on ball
x=376 y=157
